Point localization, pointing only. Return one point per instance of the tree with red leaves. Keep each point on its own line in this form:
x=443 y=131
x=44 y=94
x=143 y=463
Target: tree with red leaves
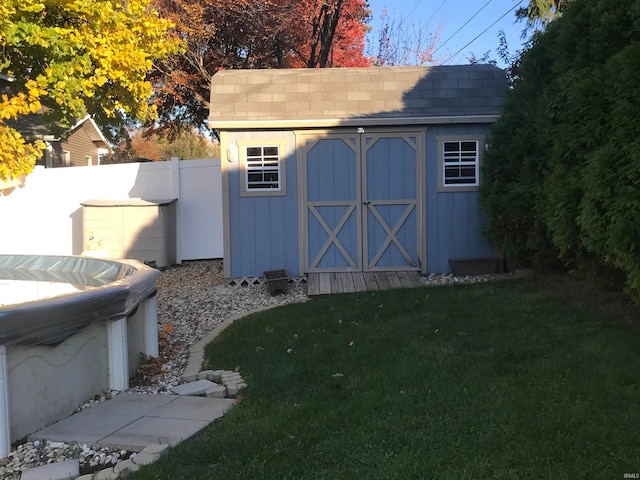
x=228 y=34
x=323 y=33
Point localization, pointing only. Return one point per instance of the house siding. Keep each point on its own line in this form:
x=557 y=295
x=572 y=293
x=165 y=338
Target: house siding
x=80 y=145
x=262 y=231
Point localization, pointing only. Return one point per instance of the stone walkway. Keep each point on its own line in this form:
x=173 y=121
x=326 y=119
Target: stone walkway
x=133 y=421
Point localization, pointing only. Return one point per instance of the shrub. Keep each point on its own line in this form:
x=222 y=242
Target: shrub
x=563 y=171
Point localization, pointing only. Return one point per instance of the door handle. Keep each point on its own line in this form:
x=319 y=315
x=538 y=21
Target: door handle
x=366 y=202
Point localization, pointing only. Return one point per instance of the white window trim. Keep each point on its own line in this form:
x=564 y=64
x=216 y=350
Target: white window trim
x=48 y=156
x=282 y=177
x=440 y=141
x=66 y=158
x=102 y=152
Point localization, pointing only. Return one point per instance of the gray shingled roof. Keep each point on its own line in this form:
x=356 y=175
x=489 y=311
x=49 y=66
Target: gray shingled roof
x=343 y=96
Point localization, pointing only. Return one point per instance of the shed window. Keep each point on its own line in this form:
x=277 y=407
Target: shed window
x=263 y=167
x=459 y=163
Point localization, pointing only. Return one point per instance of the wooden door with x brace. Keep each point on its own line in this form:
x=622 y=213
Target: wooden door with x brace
x=361 y=201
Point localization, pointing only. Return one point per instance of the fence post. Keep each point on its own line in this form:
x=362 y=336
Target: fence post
x=175 y=192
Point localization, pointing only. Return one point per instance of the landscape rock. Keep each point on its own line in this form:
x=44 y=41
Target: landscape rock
x=156 y=449
x=145 y=458
x=216 y=392
x=206 y=375
x=106 y=474
x=126 y=468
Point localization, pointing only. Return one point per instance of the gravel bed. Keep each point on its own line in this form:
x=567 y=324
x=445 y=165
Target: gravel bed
x=92 y=457
x=192 y=299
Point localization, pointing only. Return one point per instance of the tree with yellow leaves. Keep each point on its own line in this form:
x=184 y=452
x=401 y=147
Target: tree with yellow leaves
x=67 y=58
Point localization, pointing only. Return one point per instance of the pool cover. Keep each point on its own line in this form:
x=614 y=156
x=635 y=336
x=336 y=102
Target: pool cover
x=115 y=289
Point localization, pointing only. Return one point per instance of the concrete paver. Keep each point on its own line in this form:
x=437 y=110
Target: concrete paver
x=146 y=430
x=84 y=427
x=69 y=469
x=132 y=421
x=131 y=404
x=194 y=408
x=193 y=388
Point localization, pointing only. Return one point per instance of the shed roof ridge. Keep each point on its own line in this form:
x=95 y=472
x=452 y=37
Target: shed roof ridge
x=347 y=93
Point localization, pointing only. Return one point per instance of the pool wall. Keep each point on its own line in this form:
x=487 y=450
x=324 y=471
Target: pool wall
x=44 y=380
x=102 y=333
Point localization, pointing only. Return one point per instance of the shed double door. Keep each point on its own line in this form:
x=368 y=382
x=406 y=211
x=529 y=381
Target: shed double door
x=361 y=208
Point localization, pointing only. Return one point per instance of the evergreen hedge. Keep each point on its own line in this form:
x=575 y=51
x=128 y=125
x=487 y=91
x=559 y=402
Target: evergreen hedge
x=562 y=174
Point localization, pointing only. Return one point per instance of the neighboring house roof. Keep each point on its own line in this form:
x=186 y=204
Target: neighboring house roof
x=356 y=96
x=31 y=127
x=95 y=134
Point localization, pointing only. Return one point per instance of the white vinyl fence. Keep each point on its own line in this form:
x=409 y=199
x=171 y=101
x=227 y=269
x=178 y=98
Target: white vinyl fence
x=44 y=217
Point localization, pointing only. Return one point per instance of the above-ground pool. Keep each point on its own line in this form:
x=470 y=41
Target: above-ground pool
x=70 y=328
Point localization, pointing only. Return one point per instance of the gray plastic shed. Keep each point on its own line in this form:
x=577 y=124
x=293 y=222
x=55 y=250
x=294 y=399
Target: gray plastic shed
x=143 y=230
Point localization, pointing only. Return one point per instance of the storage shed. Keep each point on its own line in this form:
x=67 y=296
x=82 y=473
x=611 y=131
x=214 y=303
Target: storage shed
x=132 y=228
x=363 y=169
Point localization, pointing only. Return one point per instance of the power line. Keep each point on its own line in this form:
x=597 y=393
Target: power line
x=464 y=25
x=434 y=13
x=483 y=32
x=402 y=18
x=414 y=7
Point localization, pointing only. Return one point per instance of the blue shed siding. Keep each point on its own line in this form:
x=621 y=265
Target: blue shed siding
x=454 y=219
x=263 y=231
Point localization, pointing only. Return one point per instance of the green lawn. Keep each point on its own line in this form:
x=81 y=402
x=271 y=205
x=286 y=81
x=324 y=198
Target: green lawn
x=504 y=380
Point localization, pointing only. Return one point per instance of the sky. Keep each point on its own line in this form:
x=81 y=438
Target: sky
x=461 y=21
